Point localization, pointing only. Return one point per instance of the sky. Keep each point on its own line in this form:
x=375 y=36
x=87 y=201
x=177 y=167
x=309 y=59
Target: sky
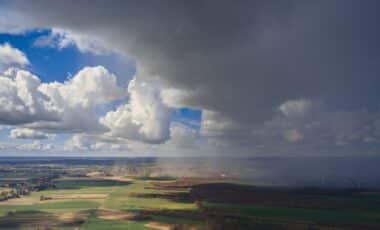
x=189 y=78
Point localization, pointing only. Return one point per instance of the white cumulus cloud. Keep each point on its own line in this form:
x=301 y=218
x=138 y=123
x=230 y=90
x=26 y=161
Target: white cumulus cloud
x=57 y=107
x=21 y=101
x=77 y=99
x=144 y=117
x=10 y=56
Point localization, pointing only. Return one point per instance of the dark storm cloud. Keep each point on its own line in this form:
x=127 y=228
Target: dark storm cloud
x=240 y=59
x=243 y=57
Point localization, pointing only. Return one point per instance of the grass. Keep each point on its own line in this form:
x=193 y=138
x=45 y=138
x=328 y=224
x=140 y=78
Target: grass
x=120 y=199
x=53 y=207
x=99 y=224
x=155 y=178
x=77 y=184
x=176 y=220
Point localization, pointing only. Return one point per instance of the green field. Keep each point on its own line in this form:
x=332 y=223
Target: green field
x=99 y=224
x=81 y=198
x=85 y=183
x=120 y=198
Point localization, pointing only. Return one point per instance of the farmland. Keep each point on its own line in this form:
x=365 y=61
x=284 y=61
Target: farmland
x=88 y=194
x=88 y=205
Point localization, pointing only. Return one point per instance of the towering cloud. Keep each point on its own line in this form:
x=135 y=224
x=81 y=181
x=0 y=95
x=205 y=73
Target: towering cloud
x=144 y=118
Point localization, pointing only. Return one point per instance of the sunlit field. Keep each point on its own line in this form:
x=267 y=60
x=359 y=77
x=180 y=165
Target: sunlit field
x=92 y=203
